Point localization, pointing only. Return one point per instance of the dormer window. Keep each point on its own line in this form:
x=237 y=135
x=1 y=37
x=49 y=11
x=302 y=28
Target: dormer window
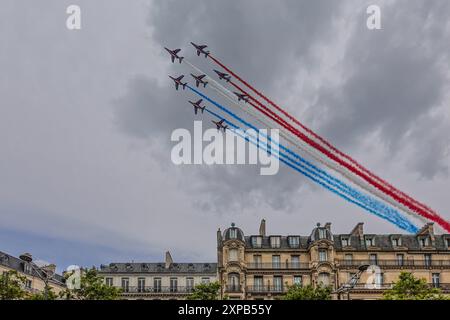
x=396 y=242
x=370 y=242
x=233 y=233
x=345 y=241
x=294 y=241
x=275 y=242
x=27 y=268
x=447 y=241
x=322 y=233
x=256 y=241
x=424 y=242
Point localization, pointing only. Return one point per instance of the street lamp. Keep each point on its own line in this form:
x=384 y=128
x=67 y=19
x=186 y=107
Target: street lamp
x=350 y=284
x=44 y=273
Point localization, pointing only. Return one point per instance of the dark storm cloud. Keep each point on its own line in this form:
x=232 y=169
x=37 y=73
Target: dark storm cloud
x=394 y=79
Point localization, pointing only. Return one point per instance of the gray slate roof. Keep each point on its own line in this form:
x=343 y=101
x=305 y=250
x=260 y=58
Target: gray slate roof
x=18 y=265
x=159 y=267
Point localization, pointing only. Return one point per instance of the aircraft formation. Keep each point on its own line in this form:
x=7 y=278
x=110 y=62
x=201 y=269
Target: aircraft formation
x=332 y=169
x=199 y=80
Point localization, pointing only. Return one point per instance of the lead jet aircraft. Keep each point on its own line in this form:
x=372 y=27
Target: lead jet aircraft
x=178 y=82
x=220 y=125
x=242 y=96
x=197 y=106
x=199 y=79
x=223 y=75
x=201 y=49
x=174 y=54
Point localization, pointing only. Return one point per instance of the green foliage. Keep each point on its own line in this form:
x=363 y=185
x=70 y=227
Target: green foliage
x=298 y=292
x=49 y=294
x=11 y=286
x=410 y=288
x=205 y=291
x=92 y=287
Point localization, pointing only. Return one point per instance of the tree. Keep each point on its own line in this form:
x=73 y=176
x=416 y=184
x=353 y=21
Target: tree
x=51 y=295
x=409 y=287
x=298 y=292
x=11 y=285
x=92 y=287
x=205 y=291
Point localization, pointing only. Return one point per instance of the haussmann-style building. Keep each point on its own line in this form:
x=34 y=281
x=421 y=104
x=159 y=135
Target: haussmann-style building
x=160 y=280
x=264 y=266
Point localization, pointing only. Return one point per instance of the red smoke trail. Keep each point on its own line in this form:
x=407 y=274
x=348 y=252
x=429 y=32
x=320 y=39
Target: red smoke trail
x=365 y=174
x=325 y=142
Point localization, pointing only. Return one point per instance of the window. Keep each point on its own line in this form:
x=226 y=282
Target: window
x=379 y=279
x=373 y=259
x=278 y=283
x=233 y=255
x=258 y=283
x=323 y=255
x=436 y=278
x=28 y=283
x=205 y=280
x=256 y=241
x=109 y=282
x=345 y=242
x=157 y=284
x=275 y=242
x=396 y=242
x=27 y=268
x=125 y=284
x=352 y=280
x=294 y=241
x=141 y=284
x=348 y=259
x=233 y=233
x=233 y=282
x=370 y=242
x=427 y=257
x=276 y=262
x=257 y=260
x=173 y=284
x=298 y=280
x=322 y=233
x=324 y=279
x=295 y=262
x=400 y=259
x=189 y=284
x=424 y=242
x=447 y=241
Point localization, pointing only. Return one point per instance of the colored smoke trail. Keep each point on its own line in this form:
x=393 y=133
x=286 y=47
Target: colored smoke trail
x=395 y=194
x=392 y=215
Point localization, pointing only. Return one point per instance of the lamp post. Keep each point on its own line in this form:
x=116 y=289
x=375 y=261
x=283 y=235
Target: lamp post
x=350 y=284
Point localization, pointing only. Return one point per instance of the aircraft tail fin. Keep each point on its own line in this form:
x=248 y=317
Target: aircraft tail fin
x=204 y=84
x=181 y=59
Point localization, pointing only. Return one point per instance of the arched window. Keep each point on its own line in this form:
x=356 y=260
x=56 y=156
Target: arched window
x=324 y=279
x=233 y=282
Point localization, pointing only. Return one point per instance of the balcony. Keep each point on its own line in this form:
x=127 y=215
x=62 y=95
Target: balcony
x=396 y=263
x=278 y=266
x=445 y=287
x=233 y=288
x=157 y=290
x=266 y=289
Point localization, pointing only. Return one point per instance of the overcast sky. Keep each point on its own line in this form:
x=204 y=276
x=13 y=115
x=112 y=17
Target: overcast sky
x=86 y=118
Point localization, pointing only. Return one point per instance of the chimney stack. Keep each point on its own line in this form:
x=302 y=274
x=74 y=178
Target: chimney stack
x=328 y=226
x=169 y=260
x=262 y=228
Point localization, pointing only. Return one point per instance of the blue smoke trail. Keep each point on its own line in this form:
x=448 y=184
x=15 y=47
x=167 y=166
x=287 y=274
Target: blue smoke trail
x=394 y=216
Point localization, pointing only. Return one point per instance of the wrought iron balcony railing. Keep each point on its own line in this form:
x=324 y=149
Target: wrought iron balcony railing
x=266 y=289
x=233 y=288
x=384 y=286
x=157 y=289
x=278 y=266
x=396 y=263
